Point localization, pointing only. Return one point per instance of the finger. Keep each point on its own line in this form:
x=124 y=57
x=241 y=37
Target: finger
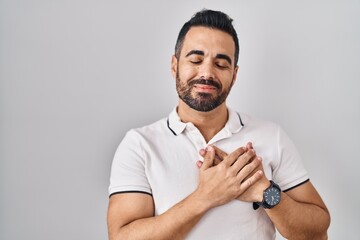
x=232 y=157
x=251 y=180
x=208 y=158
x=199 y=164
x=249 y=145
x=220 y=153
x=247 y=171
x=259 y=167
x=202 y=152
x=217 y=160
x=243 y=160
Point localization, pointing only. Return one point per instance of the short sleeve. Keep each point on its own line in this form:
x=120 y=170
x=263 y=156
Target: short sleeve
x=128 y=167
x=290 y=171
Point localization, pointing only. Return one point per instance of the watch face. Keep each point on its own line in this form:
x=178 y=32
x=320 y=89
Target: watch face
x=272 y=196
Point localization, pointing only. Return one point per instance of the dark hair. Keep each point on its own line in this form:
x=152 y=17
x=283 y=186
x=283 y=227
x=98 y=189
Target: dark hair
x=212 y=19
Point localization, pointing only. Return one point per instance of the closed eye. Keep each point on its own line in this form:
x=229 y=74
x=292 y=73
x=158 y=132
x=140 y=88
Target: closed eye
x=195 y=61
x=223 y=66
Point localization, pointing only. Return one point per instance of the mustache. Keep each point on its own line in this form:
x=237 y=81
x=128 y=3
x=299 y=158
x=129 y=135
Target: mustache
x=209 y=82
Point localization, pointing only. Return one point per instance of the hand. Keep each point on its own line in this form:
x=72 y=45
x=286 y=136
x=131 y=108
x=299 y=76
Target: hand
x=255 y=192
x=230 y=178
x=219 y=156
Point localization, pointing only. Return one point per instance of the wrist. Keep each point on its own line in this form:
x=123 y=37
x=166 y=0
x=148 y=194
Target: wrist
x=265 y=184
x=271 y=197
x=200 y=203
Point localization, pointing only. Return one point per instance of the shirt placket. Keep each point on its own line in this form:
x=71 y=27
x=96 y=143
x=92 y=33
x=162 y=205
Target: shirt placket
x=195 y=136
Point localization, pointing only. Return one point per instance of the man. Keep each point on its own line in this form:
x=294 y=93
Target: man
x=159 y=189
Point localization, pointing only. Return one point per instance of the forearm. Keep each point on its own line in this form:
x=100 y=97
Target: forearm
x=295 y=220
x=173 y=224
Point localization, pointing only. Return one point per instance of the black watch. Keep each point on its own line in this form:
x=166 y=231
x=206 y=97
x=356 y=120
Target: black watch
x=272 y=197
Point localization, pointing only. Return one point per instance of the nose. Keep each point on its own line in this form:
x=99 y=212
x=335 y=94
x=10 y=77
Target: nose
x=207 y=70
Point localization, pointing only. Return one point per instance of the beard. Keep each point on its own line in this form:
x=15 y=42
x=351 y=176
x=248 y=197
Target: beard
x=203 y=102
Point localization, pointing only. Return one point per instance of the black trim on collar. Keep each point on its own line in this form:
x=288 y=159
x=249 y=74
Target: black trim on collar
x=297 y=185
x=129 y=192
x=240 y=119
x=168 y=125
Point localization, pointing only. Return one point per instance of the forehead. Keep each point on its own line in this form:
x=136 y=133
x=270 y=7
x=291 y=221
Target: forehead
x=209 y=40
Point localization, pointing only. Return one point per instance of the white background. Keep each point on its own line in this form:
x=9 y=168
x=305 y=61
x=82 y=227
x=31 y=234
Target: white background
x=76 y=75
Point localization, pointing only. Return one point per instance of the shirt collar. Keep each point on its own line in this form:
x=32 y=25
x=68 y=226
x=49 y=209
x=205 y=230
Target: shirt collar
x=234 y=123
x=176 y=126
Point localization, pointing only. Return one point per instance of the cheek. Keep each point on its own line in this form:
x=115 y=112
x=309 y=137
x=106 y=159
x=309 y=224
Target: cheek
x=226 y=78
x=187 y=73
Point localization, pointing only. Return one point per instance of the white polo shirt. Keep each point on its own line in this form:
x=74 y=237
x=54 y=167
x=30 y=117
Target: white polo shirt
x=160 y=160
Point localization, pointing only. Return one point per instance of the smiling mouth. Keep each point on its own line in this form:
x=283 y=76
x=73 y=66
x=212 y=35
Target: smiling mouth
x=205 y=88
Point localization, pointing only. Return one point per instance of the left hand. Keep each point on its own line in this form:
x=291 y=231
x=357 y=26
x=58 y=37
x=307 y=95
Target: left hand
x=253 y=193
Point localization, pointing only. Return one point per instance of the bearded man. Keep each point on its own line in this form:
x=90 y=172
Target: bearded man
x=251 y=179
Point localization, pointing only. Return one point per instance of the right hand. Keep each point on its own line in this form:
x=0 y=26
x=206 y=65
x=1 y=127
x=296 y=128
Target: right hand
x=228 y=179
x=253 y=193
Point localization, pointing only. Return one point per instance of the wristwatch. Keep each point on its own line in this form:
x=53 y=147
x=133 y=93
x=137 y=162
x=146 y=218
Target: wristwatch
x=272 y=197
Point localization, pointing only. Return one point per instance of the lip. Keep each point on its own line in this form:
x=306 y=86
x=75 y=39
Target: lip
x=205 y=88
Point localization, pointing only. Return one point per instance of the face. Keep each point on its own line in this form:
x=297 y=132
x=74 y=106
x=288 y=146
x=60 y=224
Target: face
x=205 y=70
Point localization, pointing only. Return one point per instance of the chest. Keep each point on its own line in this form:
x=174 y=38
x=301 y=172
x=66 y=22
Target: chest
x=172 y=174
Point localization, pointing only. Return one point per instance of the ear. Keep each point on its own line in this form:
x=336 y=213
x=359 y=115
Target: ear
x=174 y=62
x=235 y=74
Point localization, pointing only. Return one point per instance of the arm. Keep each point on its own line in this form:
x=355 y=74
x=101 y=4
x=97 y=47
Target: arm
x=301 y=213
x=131 y=215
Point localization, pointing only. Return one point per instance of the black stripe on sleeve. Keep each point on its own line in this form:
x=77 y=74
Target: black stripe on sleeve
x=297 y=185
x=129 y=192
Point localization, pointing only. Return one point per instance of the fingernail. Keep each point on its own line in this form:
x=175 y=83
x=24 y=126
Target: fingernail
x=209 y=148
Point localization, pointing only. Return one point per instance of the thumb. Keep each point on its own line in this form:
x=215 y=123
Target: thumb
x=208 y=158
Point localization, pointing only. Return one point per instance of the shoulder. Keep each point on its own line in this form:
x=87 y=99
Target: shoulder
x=158 y=127
x=139 y=140
x=149 y=134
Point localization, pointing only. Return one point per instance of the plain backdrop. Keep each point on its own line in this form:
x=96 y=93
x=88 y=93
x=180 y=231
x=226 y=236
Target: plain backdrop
x=76 y=75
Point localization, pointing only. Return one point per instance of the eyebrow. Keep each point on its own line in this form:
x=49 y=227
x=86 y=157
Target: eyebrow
x=201 y=53
x=196 y=52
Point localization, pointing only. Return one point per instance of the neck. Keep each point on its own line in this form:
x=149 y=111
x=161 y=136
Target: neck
x=208 y=123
